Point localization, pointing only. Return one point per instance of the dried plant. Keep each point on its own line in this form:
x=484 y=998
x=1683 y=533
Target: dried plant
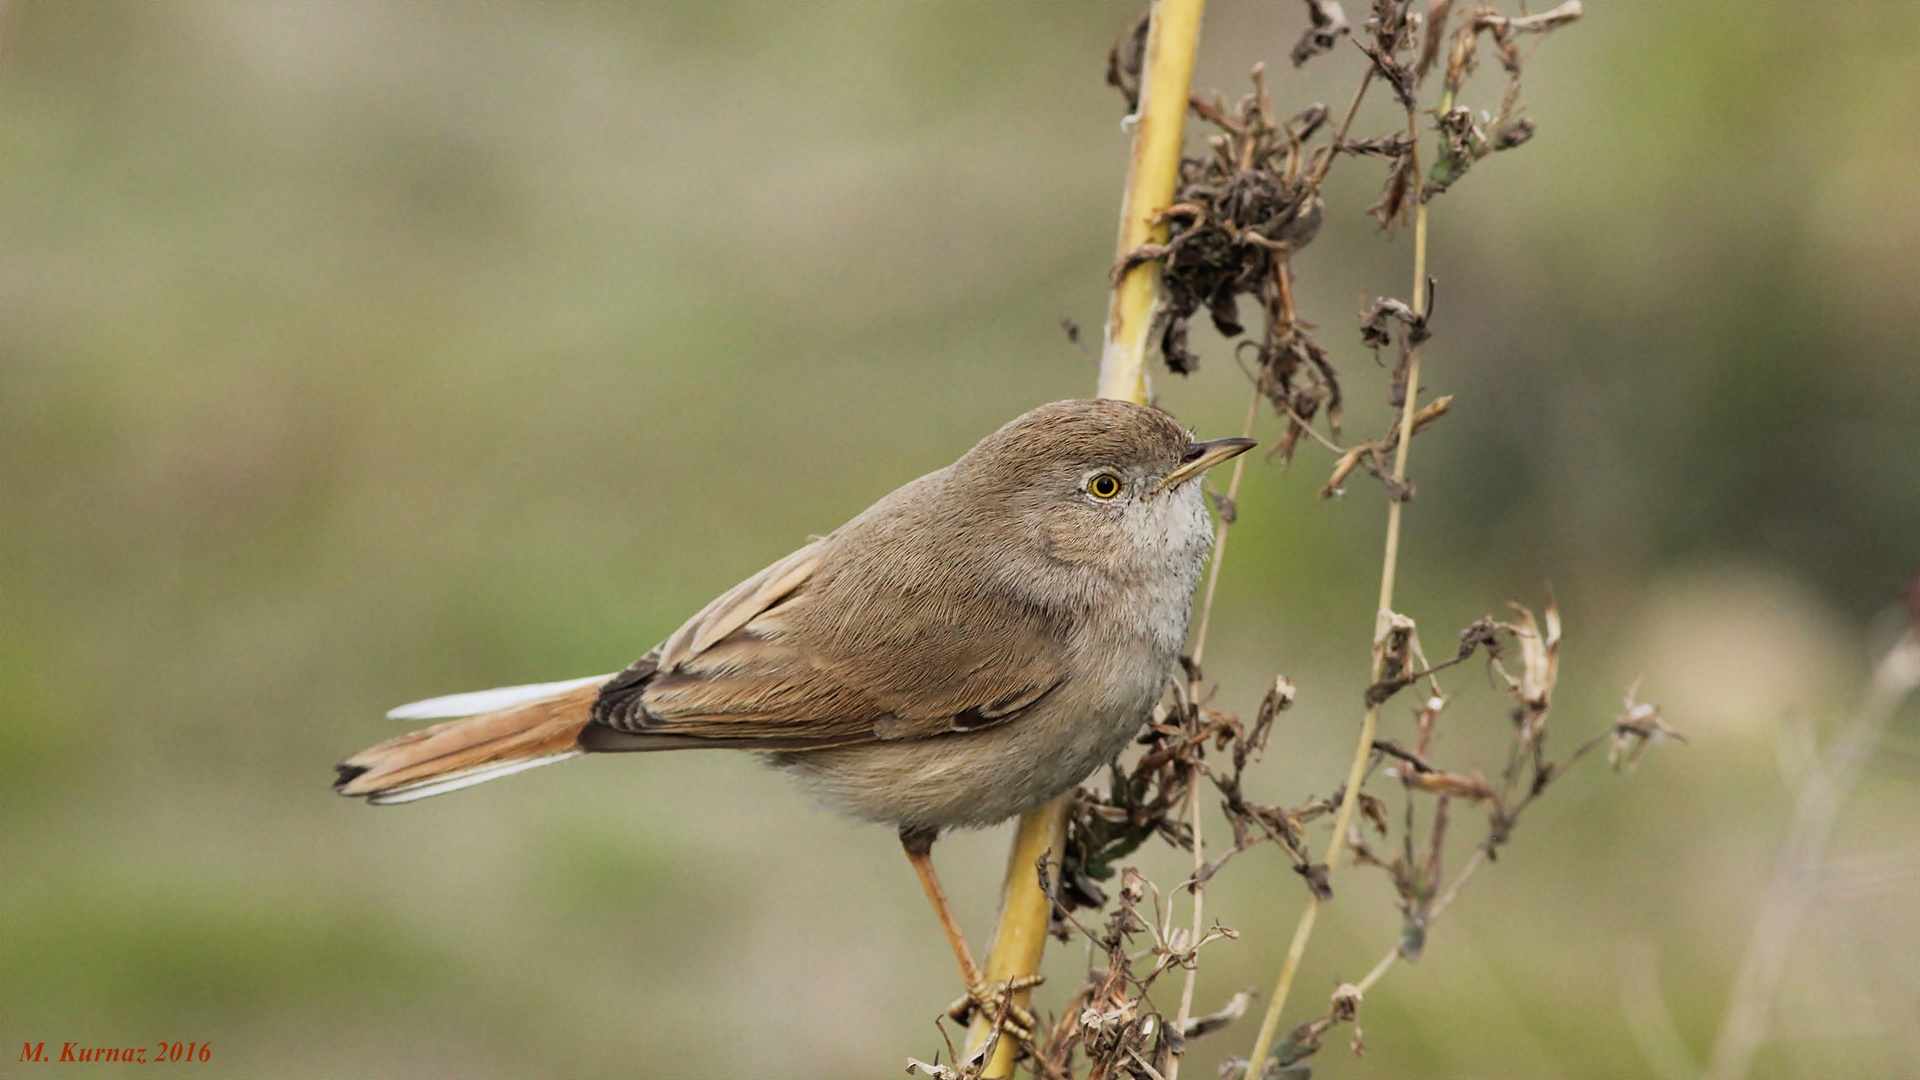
x=1240 y=212
x=1803 y=863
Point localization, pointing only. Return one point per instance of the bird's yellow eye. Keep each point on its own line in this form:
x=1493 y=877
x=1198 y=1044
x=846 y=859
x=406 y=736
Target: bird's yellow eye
x=1103 y=486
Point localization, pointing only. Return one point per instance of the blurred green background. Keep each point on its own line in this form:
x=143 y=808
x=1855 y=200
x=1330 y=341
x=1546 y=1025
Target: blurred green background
x=352 y=353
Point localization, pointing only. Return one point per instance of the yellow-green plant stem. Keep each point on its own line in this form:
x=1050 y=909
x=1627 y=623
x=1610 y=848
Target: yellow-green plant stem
x=1166 y=79
x=1020 y=941
x=1370 y=723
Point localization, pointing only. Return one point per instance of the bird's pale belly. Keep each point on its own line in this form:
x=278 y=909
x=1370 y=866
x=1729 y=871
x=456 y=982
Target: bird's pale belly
x=981 y=778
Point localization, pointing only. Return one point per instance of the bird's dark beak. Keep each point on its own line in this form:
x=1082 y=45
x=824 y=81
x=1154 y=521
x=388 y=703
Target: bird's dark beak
x=1201 y=456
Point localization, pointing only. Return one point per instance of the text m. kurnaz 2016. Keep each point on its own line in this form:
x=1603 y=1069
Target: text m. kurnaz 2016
x=76 y=1052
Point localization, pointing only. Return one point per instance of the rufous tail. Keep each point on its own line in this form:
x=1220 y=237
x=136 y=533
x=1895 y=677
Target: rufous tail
x=496 y=733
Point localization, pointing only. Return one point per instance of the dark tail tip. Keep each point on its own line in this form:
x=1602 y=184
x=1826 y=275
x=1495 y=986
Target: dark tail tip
x=346 y=774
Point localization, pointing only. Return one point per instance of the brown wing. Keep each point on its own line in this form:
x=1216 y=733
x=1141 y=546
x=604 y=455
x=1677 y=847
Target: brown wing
x=796 y=659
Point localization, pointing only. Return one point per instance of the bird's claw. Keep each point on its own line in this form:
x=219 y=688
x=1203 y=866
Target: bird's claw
x=989 y=1000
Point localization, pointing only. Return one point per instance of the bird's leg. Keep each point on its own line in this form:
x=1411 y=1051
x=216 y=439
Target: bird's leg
x=919 y=847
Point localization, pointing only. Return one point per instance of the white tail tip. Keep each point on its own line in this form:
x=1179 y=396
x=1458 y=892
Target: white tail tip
x=475 y=702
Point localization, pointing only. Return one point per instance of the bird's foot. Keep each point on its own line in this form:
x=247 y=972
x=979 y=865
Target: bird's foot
x=991 y=1000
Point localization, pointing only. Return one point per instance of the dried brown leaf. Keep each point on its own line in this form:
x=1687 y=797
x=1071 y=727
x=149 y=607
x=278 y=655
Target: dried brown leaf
x=1327 y=22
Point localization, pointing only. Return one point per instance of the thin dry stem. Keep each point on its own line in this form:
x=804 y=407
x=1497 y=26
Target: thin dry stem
x=1199 y=887
x=1478 y=859
x=1325 y=160
x=1220 y=538
x=1303 y=931
x=1199 y=890
x=1797 y=877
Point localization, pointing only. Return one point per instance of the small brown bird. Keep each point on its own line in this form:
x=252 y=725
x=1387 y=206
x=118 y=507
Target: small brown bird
x=969 y=647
